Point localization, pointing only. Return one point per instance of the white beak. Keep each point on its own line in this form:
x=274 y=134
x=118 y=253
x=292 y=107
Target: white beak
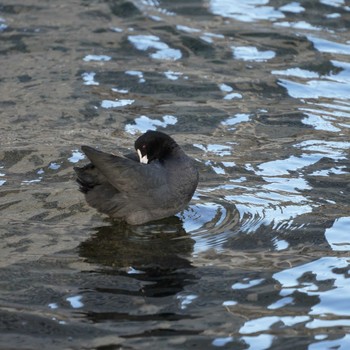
x=143 y=159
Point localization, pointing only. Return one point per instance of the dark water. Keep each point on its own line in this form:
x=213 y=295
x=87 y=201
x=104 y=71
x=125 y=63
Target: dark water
x=258 y=92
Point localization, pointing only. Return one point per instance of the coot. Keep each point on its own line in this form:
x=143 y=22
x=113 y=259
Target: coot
x=156 y=182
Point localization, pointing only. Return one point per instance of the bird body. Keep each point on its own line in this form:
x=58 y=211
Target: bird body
x=124 y=188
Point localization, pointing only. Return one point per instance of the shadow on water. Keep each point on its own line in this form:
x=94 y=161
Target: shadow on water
x=155 y=256
x=159 y=246
x=155 y=253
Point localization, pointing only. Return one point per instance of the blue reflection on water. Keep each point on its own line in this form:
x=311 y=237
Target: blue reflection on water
x=334 y=299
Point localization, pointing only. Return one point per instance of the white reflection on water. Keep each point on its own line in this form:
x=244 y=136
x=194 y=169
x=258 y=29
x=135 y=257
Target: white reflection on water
x=217 y=168
x=328 y=46
x=293 y=7
x=225 y=88
x=75 y=301
x=231 y=95
x=187 y=29
x=331 y=171
x=136 y=73
x=279 y=201
x=144 y=123
x=332 y=149
x=2 y=181
x=54 y=166
x=259 y=342
x=337 y=108
x=76 y=156
x=3 y=26
x=98 y=58
x=316 y=89
x=247 y=283
x=344 y=75
x=335 y=3
x=208 y=37
x=321 y=336
x=278 y=204
x=280 y=167
x=155 y=4
x=208 y=224
x=89 y=78
x=332 y=300
x=236 y=119
x=120 y=91
x=132 y=271
x=116 y=103
x=27 y=182
x=220 y=150
x=297 y=25
x=268 y=212
x=195 y=217
x=263 y=324
x=319 y=122
x=281 y=303
x=338 y=236
x=296 y=72
x=222 y=341
x=280 y=187
x=231 y=165
x=280 y=244
x=317 y=323
x=53 y=306
x=333 y=85
x=117 y=29
x=333 y=15
x=152 y=42
x=340 y=344
x=173 y=75
x=185 y=300
x=245 y=11
x=251 y=53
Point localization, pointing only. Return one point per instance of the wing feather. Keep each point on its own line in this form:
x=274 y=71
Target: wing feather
x=125 y=174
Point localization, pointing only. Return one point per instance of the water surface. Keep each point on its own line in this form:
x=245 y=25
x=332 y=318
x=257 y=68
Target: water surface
x=256 y=91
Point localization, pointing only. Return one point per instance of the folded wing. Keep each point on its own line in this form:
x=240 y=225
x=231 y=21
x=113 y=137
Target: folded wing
x=125 y=174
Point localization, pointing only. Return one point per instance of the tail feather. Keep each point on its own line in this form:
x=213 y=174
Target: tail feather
x=88 y=177
x=100 y=194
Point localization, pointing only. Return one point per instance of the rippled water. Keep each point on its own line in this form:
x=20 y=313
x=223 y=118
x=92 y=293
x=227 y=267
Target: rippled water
x=258 y=92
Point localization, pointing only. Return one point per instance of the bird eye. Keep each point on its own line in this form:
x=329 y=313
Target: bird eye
x=144 y=146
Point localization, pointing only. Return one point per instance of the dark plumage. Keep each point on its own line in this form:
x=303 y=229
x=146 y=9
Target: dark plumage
x=124 y=188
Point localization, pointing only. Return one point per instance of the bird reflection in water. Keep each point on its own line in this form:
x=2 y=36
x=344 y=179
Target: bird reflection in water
x=157 y=253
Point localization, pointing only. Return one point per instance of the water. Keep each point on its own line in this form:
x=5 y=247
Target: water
x=256 y=91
